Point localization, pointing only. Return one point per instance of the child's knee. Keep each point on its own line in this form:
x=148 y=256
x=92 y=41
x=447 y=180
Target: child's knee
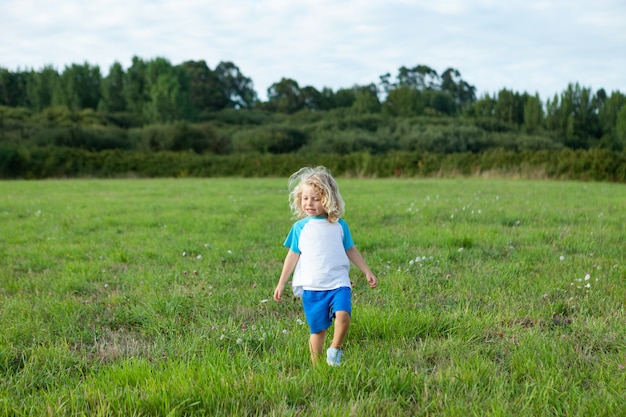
x=342 y=315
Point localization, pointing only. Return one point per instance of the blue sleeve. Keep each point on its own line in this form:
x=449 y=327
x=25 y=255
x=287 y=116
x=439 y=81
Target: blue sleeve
x=293 y=238
x=347 y=237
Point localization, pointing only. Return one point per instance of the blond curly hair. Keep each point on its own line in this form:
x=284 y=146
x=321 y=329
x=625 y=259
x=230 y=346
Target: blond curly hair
x=323 y=182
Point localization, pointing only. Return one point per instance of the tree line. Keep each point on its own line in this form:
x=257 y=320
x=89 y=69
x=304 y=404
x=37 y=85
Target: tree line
x=154 y=105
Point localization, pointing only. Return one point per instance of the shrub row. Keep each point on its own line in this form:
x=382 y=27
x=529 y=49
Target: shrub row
x=56 y=162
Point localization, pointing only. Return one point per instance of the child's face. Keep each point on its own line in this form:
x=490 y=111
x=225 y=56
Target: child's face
x=311 y=201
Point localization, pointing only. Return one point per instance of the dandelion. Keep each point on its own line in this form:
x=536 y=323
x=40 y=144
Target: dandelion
x=106 y=285
x=184 y=254
x=230 y=252
x=199 y=257
x=285 y=331
x=239 y=341
x=587 y=276
x=411 y=262
x=206 y=245
x=460 y=250
x=300 y=322
x=561 y=258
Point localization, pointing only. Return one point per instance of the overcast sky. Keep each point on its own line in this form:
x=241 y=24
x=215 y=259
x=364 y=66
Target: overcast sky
x=523 y=45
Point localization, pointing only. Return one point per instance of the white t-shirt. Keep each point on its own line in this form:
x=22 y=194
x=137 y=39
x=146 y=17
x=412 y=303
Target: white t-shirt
x=323 y=263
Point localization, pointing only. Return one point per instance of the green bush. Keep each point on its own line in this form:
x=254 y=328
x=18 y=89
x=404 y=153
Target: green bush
x=269 y=139
x=47 y=162
x=88 y=138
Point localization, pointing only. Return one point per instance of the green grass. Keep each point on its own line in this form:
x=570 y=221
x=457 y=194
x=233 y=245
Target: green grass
x=153 y=297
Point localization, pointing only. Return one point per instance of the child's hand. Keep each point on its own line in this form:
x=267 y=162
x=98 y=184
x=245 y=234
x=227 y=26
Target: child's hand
x=371 y=279
x=278 y=292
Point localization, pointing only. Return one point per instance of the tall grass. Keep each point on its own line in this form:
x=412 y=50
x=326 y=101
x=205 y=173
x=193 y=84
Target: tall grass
x=153 y=297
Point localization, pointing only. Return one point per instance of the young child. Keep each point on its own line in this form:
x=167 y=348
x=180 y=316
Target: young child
x=320 y=252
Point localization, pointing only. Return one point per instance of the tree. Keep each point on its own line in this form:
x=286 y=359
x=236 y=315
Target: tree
x=238 y=89
x=440 y=101
x=609 y=108
x=509 y=107
x=366 y=100
x=484 y=107
x=313 y=99
x=404 y=101
x=205 y=92
x=13 y=87
x=285 y=96
x=135 y=90
x=420 y=78
x=533 y=112
x=574 y=119
x=166 y=98
x=620 y=128
x=41 y=87
x=113 y=99
x=463 y=93
x=79 y=87
x=344 y=97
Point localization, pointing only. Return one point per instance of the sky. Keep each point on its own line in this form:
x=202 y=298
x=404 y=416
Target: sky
x=533 y=46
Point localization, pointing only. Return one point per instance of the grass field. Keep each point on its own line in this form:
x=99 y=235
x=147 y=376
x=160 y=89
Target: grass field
x=154 y=297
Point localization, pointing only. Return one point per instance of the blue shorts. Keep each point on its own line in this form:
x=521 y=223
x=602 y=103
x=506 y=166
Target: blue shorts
x=320 y=306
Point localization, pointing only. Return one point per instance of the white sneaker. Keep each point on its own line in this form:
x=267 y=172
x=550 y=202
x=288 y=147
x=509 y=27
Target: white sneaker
x=333 y=356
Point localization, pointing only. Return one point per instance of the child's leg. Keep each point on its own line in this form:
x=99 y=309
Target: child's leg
x=342 y=324
x=316 y=345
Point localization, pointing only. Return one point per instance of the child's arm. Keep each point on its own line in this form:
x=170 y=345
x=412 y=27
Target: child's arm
x=288 y=266
x=355 y=257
